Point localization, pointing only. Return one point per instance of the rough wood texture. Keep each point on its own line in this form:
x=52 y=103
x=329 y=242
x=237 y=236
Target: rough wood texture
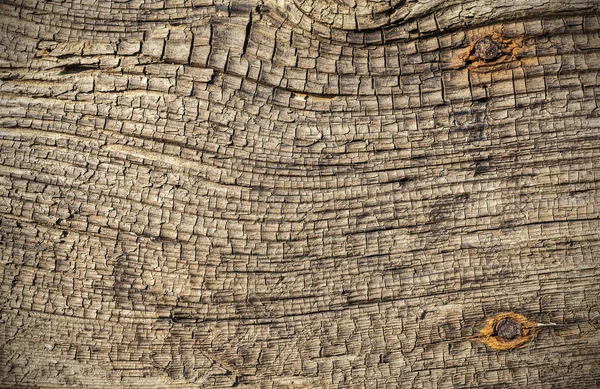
x=298 y=194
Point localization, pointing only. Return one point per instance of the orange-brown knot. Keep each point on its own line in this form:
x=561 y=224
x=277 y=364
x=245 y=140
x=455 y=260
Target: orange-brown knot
x=507 y=331
x=487 y=49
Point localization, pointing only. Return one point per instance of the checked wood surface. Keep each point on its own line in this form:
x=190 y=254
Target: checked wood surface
x=299 y=194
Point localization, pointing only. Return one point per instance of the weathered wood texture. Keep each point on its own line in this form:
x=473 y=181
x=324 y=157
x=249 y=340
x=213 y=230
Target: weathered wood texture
x=320 y=194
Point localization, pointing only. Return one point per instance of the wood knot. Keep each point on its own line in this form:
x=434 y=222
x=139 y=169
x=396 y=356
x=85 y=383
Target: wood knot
x=507 y=331
x=487 y=49
x=491 y=52
x=507 y=328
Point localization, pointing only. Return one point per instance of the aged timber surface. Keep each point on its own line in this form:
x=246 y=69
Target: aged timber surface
x=300 y=194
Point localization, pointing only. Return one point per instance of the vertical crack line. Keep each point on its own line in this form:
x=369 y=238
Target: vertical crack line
x=189 y=60
x=247 y=38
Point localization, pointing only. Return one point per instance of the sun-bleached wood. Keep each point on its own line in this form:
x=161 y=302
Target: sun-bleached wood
x=298 y=194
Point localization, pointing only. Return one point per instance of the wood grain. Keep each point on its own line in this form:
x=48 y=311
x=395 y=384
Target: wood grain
x=290 y=194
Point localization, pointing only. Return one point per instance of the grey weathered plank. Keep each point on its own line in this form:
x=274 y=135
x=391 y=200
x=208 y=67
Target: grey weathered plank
x=298 y=194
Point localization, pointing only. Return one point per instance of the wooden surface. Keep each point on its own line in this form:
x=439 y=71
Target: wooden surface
x=289 y=194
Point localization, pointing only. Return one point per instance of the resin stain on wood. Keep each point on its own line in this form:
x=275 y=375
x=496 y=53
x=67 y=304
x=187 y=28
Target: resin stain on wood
x=507 y=331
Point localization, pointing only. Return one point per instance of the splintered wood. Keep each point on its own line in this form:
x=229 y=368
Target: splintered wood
x=299 y=194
